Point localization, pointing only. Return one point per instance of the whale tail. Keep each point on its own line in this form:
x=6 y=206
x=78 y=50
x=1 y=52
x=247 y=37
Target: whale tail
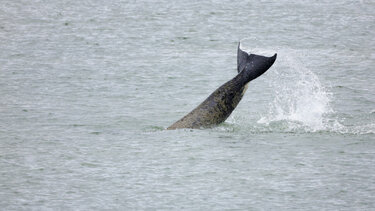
x=254 y=65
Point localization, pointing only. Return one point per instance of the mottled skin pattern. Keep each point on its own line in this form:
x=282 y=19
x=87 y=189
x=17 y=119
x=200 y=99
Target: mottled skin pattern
x=220 y=104
x=216 y=108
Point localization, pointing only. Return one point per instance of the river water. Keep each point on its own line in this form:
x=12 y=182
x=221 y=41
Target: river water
x=87 y=89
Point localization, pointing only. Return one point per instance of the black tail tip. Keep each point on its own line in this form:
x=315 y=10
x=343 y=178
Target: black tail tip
x=273 y=58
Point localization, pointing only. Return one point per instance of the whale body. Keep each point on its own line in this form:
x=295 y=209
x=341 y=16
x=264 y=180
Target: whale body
x=221 y=103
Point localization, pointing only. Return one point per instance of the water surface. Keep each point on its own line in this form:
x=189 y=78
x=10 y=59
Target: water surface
x=87 y=88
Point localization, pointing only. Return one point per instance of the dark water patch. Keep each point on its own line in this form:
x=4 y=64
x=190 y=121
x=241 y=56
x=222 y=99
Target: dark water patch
x=78 y=125
x=182 y=38
x=90 y=165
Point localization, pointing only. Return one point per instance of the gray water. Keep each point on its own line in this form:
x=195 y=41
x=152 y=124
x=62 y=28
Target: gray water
x=88 y=87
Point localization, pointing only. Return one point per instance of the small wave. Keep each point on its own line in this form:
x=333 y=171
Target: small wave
x=364 y=129
x=153 y=128
x=294 y=127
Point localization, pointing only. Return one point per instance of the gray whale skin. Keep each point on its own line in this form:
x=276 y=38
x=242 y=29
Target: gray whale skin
x=220 y=104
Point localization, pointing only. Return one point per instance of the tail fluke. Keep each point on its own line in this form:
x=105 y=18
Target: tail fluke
x=254 y=65
x=241 y=58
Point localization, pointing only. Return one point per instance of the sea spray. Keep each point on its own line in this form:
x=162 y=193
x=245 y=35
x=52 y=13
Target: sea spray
x=300 y=100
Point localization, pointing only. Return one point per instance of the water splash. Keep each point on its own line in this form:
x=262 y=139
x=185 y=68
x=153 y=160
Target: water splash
x=300 y=101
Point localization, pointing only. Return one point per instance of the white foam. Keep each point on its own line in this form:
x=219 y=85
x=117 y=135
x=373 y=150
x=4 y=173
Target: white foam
x=300 y=102
x=300 y=99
